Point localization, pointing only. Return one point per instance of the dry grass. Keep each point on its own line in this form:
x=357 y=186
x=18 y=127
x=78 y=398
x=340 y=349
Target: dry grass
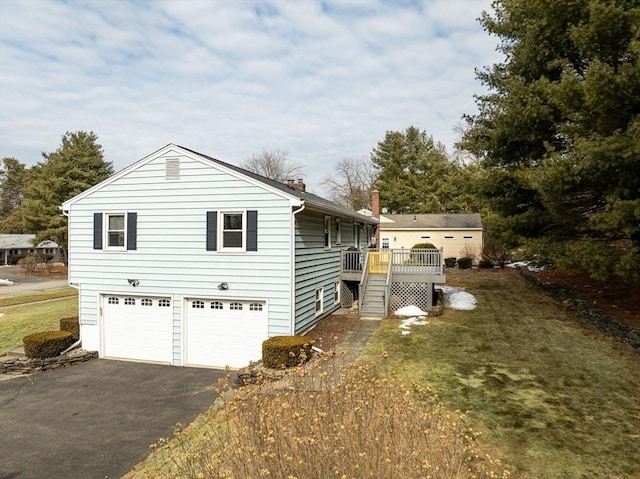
x=24 y=298
x=20 y=320
x=354 y=423
x=559 y=399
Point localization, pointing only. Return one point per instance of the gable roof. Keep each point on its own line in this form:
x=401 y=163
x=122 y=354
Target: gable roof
x=308 y=198
x=23 y=241
x=434 y=221
x=301 y=197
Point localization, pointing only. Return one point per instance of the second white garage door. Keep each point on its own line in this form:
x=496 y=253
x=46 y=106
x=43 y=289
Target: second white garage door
x=225 y=332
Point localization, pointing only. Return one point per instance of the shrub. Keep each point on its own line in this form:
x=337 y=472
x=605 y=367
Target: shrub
x=15 y=259
x=494 y=251
x=29 y=263
x=47 y=344
x=279 y=352
x=71 y=325
x=423 y=246
x=465 y=262
x=486 y=263
x=450 y=262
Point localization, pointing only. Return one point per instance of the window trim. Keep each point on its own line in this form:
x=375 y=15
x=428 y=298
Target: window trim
x=319 y=297
x=106 y=230
x=327 y=232
x=336 y=293
x=221 y=231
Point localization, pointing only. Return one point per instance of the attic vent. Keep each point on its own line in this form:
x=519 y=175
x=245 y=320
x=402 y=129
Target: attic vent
x=172 y=166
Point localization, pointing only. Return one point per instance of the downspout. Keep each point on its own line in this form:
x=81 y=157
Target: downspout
x=75 y=286
x=293 y=268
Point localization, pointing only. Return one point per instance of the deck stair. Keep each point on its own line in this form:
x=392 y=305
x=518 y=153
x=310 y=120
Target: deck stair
x=373 y=299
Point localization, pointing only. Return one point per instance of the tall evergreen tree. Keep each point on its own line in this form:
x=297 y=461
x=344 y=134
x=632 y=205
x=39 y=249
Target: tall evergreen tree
x=12 y=179
x=76 y=165
x=559 y=132
x=415 y=174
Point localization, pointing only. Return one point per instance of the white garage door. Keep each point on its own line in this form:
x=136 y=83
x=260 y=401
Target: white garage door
x=137 y=328
x=225 y=332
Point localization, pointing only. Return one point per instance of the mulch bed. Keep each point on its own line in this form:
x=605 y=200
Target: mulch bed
x=328 y=332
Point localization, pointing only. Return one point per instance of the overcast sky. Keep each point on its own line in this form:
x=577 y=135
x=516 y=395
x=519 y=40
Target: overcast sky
x=323 y=80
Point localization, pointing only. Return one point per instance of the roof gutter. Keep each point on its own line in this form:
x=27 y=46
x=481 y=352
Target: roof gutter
x=293 y=267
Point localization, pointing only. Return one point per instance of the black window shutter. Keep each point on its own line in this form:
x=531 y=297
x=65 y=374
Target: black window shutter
x=132 y=230
x=97 y=231
x=252 y=230
x=212 y=227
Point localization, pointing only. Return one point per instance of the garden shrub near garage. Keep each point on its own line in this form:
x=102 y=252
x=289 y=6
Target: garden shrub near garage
x=71 y=325
x=486 y=263
x=280 y=352
x=47 y=344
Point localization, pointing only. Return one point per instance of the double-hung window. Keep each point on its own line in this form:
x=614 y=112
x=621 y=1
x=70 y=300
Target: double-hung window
x=233 y=231
x=319 y=301
x=327 y=232
x=115 y=231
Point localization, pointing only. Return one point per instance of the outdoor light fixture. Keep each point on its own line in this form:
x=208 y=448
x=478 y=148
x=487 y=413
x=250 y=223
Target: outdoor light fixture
x=223 y=286
x=133 y=282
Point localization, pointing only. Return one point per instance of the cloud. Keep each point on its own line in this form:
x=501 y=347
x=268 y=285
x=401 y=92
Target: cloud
x=323 y=80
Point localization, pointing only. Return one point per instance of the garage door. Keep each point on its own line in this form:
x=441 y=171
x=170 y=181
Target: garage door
x=138 y=328
x=225 y=332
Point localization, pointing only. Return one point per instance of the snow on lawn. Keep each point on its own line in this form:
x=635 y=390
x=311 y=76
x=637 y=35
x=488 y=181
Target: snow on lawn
x=458 y=298
x=6 y=282
x=520 y=264
x=417 y=318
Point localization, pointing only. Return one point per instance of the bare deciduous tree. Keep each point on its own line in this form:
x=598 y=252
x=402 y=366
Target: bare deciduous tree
x=275 y=165
x=352 y=182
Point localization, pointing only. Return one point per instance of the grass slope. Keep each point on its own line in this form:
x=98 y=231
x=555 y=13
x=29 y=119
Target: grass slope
x=39 y=296
x=21 y=320
x=559 y=400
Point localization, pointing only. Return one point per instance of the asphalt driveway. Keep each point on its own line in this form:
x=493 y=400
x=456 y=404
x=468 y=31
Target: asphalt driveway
x=97 y=419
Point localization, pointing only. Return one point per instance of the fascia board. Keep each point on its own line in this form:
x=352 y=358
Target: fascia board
x=163 y=151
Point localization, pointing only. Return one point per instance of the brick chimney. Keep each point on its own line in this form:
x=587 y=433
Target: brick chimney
x=375 y=212
x=297 y=184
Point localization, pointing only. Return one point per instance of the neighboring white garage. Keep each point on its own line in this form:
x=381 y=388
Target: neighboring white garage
x=223 y=332
x=137 y=327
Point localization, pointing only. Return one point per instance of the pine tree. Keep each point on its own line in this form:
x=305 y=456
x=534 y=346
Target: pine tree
x=76 y=165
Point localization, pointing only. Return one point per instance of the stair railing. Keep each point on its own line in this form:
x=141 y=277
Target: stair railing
x=363 y=281
x=387 y=290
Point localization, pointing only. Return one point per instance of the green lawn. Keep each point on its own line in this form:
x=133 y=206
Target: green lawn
x=39 y=296
x=556 y=399
x=23 y=319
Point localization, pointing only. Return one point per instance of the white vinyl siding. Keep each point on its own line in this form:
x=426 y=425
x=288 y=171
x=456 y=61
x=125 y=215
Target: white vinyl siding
x=171 y=256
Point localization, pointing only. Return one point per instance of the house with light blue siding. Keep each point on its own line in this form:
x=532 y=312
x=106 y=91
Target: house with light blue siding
x=187 y=260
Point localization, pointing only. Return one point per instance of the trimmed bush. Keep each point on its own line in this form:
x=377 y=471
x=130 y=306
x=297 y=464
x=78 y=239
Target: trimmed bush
x=47 y=344
x=450 y=262
x=71 y=325
x=280 y=352
x=465 y=262
x=423 y=246
x=486 y=263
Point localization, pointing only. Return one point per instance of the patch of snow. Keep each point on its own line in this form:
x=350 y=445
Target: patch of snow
x=527 y=264
x=406 y=324
x=1 y=315
x=6 y=282
x=458 y=298
x=410 y=311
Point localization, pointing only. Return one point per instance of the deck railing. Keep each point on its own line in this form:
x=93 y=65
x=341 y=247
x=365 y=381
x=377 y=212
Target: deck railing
x=401 y=261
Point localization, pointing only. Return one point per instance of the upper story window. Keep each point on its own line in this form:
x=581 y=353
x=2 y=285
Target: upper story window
x=233 y=230
x=338 y=231
x=327 y=232
x=115 y=230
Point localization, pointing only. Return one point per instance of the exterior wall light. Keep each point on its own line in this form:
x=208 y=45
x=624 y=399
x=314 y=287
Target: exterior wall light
x=223 y=286
x=133 y=282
